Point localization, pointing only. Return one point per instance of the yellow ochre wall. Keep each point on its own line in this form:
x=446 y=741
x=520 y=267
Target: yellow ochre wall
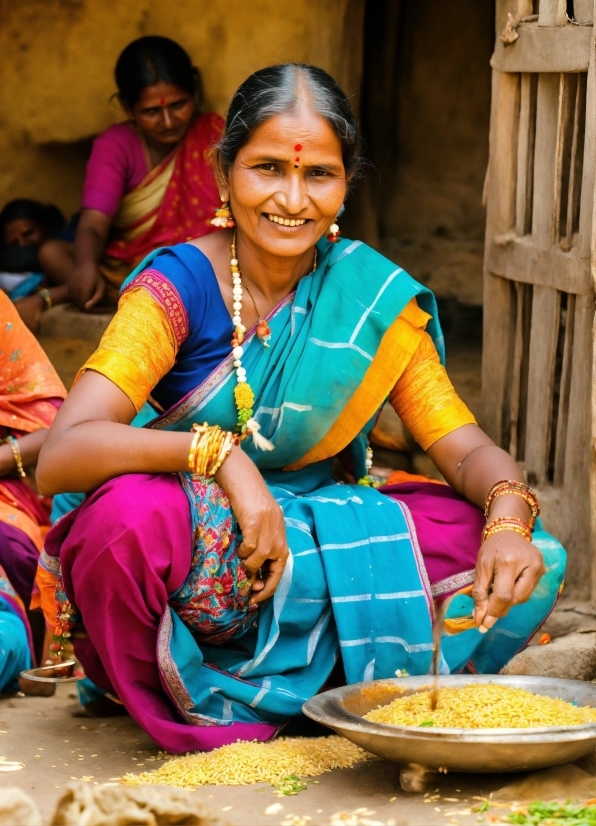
x=57 y=59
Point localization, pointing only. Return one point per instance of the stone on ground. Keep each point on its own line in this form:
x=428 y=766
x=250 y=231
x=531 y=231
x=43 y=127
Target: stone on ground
x=17 y=809
x=572 y=657
x=118 y=806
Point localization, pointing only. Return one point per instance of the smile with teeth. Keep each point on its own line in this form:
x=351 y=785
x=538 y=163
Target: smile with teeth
x=287 y=222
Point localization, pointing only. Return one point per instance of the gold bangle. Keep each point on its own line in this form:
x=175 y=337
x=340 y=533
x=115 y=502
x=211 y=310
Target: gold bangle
x=507 y=523
x=198 y=431
x=209 y=449
x=512 y=486
x=224 y=452
x=16 y=452
x=216 y=448
x=45 y=296
x=205 y=444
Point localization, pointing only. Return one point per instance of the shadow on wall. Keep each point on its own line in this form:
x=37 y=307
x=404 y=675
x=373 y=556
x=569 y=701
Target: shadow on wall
x=67 y=161
x=425 y=117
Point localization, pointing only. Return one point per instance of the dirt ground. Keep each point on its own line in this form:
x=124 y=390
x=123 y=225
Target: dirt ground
x=56 y=747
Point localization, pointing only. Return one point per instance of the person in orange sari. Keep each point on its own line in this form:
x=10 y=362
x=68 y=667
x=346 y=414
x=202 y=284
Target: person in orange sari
x=30 y=396
x=149 y=182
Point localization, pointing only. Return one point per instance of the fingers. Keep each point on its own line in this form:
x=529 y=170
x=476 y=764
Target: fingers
x=100 y=289
x=507 y=572
x=501 y=598
x=276 y=569
x=524 y=586
x=482 y=581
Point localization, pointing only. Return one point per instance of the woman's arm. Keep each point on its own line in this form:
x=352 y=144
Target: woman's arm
x=29 y=445
x=508 y=566
x=90 y=442
x=85 y=283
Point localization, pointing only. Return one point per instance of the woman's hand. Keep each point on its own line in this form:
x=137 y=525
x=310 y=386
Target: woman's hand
x=260 y=520
x=30 y=309
x=86 y=286
x=507 y=571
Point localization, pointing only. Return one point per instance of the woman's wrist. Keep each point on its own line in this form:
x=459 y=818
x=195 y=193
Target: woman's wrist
x=510 y=505
x=7 y=461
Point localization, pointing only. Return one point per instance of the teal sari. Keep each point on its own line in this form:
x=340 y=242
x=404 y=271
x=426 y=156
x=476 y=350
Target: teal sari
x=355 y=584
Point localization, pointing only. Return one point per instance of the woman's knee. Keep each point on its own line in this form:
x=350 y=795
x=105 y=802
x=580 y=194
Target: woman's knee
x=56 y=259
x=137 y=523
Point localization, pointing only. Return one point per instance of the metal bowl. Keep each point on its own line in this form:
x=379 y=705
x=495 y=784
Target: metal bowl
x=457 y=749
x=58 y=673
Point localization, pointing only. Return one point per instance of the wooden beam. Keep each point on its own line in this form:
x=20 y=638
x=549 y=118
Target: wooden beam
x=502 y=167
x=501 y=185
x=583 y=11
x=517 y=259
x=540 y=49
x=525 y=154
x=552 y=13
x=545 y=159
x=586 y=205
x=546 y=307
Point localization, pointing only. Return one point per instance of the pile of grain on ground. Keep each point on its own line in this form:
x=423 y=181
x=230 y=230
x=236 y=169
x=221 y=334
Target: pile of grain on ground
x=482 y=706
x=242 y=763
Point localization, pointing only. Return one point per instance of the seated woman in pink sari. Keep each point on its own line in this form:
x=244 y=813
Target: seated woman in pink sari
x=149 y=182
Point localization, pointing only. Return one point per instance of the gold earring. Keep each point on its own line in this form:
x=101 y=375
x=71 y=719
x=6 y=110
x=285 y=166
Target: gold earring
x=223 y=217
x=334 y=232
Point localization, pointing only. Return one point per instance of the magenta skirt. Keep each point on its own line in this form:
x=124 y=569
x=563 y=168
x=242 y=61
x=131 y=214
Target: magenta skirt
x=123 y=558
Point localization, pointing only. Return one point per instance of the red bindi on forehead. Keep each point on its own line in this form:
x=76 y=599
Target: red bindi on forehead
x=162 y=101
x=298 y=147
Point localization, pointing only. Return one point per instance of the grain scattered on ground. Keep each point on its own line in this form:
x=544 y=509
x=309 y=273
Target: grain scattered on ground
x=242 y=763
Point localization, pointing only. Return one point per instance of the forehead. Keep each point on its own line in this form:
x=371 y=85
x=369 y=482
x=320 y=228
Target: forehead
x=21 y=224
x=282 y=133
x=159 y=92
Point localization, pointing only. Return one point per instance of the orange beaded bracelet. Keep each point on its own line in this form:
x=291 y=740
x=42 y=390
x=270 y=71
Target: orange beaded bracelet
x=507 y=523
x=516 y=488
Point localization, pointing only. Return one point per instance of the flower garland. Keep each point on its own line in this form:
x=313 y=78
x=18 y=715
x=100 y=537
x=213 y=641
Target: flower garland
x=243 y=393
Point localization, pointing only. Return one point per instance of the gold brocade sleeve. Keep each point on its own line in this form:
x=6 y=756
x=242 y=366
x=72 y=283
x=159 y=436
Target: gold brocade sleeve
x=425 y=400
x=137 y=349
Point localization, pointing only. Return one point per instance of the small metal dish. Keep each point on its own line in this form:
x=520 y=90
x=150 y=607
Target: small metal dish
x=58 y=673
x=457 y=749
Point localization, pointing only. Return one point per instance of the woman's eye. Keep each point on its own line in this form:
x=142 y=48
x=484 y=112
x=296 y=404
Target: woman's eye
x=268 y=167
x=319 y=173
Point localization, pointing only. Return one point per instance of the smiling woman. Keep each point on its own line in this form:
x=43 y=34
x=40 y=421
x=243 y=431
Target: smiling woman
x=216 y=566
x=149 y=182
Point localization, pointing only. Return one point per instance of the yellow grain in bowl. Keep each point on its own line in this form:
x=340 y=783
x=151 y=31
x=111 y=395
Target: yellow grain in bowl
x=242 y=763
x=482 y=706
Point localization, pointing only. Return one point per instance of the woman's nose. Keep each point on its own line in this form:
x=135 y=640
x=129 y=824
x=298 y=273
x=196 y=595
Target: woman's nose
x=167 y=118
x=293 y=195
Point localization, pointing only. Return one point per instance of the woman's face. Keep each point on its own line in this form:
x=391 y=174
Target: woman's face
x=24 y=232
x=291 y=171
x=163 y=113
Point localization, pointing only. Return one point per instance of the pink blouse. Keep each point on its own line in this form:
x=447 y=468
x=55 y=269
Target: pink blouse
x=117 y=165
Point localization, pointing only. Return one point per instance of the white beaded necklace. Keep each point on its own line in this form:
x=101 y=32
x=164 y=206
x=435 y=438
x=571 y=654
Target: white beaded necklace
x=243 y=392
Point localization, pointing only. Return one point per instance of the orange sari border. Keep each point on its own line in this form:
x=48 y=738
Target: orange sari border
x=391 y=359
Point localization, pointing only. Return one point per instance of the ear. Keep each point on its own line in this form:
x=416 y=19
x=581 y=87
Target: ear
x=125 y=108
x=220 y=176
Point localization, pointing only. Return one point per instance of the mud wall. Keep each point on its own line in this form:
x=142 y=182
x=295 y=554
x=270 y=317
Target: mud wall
x=426 y=107
x=57 y=58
